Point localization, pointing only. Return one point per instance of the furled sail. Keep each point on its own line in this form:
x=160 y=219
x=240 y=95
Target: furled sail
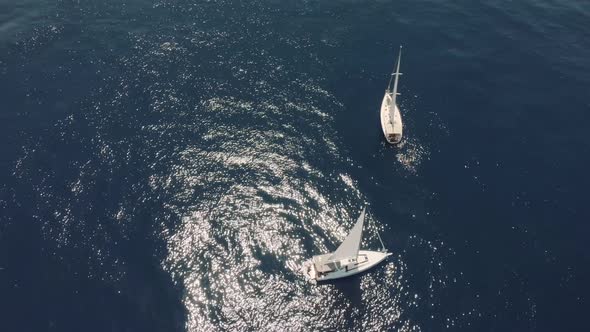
x=396 y=74
x=350 y=246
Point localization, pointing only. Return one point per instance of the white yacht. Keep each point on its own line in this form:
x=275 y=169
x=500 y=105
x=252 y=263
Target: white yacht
x=391 y=119
x=347 y=260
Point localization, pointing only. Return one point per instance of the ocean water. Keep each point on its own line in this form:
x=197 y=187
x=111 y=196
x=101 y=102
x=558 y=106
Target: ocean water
x=167 y=165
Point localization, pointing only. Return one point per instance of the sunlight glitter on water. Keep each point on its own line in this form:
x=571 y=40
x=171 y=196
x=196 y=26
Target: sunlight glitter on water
x=247 y=172
x=237 y=253
x=411 y=154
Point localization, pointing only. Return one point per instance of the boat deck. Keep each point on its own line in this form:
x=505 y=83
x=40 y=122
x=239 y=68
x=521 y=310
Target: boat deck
x=392 y=130
x=365 y=260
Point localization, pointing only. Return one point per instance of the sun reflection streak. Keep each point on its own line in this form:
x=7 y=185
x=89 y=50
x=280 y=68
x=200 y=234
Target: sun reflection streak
x=255 y=222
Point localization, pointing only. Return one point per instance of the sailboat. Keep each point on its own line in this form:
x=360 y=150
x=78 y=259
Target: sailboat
x=391 y=119
x=347 y=260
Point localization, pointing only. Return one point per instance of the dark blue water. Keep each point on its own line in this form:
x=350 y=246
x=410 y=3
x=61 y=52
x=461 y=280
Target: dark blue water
x=168 y=165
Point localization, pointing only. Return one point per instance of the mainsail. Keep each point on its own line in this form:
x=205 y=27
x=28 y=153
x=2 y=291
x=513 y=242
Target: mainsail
x=350 y=246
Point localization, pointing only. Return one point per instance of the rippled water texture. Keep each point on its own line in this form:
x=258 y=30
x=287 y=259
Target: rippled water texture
x=232 y=143
x=185 y=158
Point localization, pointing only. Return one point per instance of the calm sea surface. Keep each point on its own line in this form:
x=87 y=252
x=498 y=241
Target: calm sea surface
x=168 y=165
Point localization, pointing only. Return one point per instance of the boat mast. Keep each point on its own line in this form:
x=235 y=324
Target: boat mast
x=390 y=80
x=396 y=74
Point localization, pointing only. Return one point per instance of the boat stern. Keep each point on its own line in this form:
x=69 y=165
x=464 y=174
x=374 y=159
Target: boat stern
x=309 y=271
x=394 y=138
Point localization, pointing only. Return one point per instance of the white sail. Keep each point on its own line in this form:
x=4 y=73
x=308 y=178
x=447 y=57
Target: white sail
x=350 y=245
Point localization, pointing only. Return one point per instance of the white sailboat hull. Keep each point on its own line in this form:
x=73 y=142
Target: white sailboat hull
x=365 y=260
x=392 y=128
